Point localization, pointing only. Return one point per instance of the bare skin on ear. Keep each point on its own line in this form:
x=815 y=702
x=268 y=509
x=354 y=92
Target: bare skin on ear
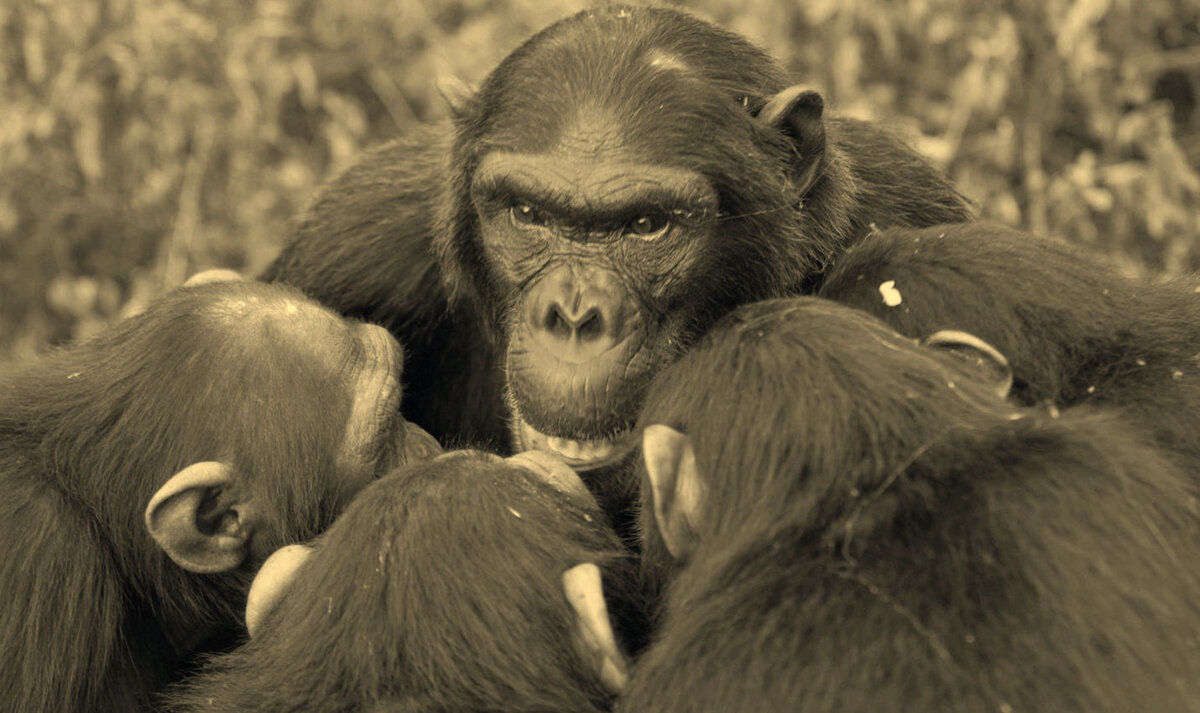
x=200 y=542
x=798 y=112
x=676 y=485
x=272 y=580
x=206 y=277
x=972 y=347
x=584 y=589
x=456 y=93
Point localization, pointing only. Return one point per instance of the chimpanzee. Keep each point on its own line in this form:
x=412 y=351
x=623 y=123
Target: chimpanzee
x=865 y=523
x=620 y=180
x=1074 y=329
x=466 y=584
x=147 y=472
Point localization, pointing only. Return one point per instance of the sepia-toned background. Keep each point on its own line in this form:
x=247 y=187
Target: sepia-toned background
x=142 y=140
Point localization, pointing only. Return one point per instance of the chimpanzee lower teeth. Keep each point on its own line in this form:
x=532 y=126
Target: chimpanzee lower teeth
x=580 y=450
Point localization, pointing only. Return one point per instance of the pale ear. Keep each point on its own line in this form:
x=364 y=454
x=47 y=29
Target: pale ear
x=798 y=112
x=419 y=445
x=585 y=593
x=204 y=277
x=458 y=94
x=272 y=580
x=987 y=357
x=194 y=521
x=676 y=486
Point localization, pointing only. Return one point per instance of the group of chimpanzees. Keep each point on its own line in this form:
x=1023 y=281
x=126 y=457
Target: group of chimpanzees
x=832 y=446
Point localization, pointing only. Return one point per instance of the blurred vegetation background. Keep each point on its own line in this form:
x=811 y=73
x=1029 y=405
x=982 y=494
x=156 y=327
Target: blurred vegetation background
x=143 y=140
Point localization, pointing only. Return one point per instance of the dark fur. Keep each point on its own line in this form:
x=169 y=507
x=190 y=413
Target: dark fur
x=438 y=590
x=1074 y=329
x=396 y=239
x=95 y=617
x=884 y=533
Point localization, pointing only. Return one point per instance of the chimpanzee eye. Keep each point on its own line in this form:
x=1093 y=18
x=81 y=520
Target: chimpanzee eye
x=525 y=214
x=648 y=227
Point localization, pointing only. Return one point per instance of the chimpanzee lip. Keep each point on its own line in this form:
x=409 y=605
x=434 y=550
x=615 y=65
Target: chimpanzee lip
x=580 y=454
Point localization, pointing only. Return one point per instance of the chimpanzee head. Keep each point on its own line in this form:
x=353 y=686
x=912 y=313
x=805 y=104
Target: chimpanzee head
x=617 y=177
x=468 y=583
x=285 y=412
x=227 y=419
x=789 y=409
x=148 y=471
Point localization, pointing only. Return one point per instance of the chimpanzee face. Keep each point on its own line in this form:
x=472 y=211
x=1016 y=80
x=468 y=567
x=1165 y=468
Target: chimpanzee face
x=603 y=221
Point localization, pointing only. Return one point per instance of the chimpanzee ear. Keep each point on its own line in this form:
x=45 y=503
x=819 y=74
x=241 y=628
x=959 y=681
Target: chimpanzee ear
x=272 y=580
x=676 y=486
x=194 y=520
x=204 y=277
x=459 y=95
x=798 y=112
x=594 y=631
x=988 y=358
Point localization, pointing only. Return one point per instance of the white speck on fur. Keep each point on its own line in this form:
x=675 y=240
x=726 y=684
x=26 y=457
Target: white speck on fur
x=891 y=296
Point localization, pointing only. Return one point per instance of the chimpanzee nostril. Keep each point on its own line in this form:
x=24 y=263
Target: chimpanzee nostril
x=587 y=326
x=591 y=325
x=557 y=323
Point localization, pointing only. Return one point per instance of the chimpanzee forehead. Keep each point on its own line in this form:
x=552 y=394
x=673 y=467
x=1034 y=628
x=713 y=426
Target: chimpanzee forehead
x=650 y=95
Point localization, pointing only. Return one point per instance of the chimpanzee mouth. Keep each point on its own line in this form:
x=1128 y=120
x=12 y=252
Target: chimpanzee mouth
x=585 y=454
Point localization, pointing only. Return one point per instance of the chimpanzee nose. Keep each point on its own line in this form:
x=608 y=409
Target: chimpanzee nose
x=576 y=317
x=575 y=321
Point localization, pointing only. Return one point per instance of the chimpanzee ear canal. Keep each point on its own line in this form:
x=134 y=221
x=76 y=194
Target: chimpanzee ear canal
x=594 y=633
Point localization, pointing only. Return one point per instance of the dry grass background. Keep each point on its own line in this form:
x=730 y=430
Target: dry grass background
x=142 y=140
